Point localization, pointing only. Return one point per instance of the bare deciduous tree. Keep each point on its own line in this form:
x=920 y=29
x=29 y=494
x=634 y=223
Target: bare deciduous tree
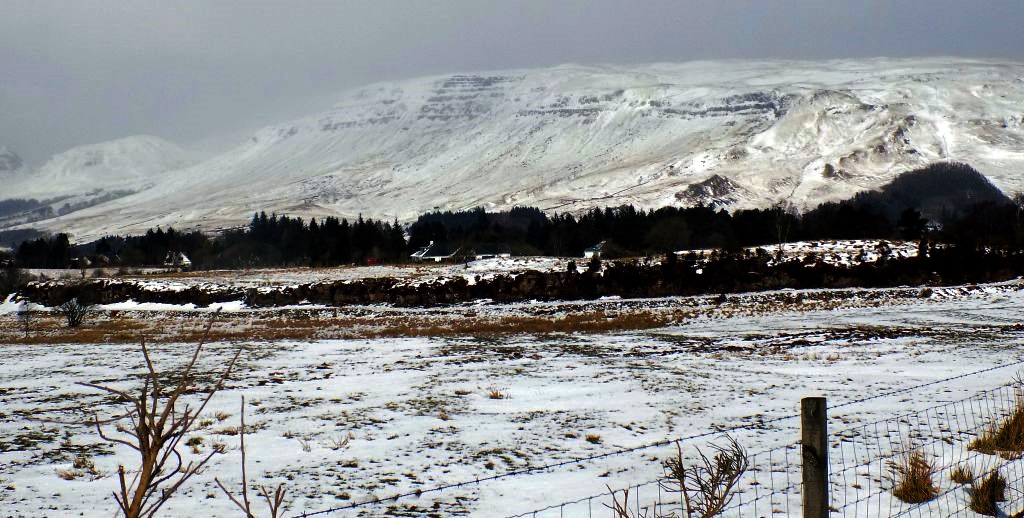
x=159 y=423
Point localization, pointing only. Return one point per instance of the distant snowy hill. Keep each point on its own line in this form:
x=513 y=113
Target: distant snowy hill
x=734 y=133
x=9 y=161
x=127 y=164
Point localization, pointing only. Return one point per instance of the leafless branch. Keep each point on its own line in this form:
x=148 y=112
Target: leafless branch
x=275 y=503
x=708 y=486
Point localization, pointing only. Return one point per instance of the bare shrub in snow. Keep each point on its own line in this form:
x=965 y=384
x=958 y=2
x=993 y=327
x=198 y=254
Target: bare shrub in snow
x=74 y=312
x=708 y=486
x=704 y=488
x=158 y=424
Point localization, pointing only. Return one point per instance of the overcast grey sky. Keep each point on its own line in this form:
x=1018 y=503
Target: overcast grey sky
x=83 y=71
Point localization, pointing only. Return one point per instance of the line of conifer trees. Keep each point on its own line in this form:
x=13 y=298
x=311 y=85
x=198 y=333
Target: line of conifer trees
x=288 y=241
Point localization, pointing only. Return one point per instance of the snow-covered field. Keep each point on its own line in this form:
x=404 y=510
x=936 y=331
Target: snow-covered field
x=419 y=414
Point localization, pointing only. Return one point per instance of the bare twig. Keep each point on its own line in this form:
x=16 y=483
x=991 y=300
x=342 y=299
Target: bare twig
x=622 y=510
x=275 y=502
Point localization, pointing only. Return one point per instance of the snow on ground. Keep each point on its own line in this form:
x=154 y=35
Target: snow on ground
x=842 y=252
x=419 y=414
x=162 y=280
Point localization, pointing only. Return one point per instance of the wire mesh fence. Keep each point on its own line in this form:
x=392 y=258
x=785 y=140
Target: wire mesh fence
x=865 y=465
x=770 y=487
x=866 y=460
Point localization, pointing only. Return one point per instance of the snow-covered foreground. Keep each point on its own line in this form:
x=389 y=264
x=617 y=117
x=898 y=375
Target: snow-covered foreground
x=419 y=414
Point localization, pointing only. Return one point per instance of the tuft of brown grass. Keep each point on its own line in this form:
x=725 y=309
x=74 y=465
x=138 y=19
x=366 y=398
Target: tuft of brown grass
x=340 y=442
x=983 y=496
x=961 y=475
x=915 y=478
x=1005 y=438
x=592 y=438
x=195 y=444
x=496 y=393
x=68 y=474
x=84 y=462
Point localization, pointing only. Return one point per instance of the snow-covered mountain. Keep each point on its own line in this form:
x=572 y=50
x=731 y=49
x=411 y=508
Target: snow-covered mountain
x=736 y=133
x=9 y=161
x=124 y=165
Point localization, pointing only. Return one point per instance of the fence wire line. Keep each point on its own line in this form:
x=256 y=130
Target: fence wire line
x=657 y=444
x=943 y=435
x=861 y=480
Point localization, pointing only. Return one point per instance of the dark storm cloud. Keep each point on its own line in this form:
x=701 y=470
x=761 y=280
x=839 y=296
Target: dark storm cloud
x=86 y=71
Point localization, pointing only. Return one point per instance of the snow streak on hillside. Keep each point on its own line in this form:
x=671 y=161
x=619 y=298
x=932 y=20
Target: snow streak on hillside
x=735 y=133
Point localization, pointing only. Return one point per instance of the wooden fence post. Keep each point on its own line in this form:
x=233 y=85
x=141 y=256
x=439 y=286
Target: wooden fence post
x=814 y=442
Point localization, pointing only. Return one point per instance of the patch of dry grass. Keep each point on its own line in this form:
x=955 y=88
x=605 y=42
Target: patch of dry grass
x=496 y=393
x=276 y=325
x=1005 y=438
x=961 y=475
x=984 y=495
x=915 y=478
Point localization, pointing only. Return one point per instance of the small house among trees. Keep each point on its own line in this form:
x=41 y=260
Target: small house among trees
x=436 y=252
x=177 y=261
x=491 y=251
x=594 y=251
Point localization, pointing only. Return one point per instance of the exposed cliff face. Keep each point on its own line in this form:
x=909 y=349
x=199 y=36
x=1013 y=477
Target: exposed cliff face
x=737 y=134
